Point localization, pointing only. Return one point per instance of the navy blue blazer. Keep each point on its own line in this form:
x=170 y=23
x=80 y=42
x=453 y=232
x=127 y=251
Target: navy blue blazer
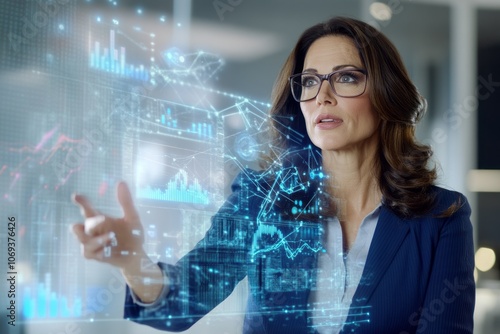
x=418 y=276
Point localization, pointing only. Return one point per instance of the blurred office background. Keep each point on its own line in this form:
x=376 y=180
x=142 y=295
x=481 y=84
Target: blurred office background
x=58 y=96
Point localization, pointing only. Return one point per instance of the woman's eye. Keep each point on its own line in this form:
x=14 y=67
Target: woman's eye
x=347 y=77
x=309 y=81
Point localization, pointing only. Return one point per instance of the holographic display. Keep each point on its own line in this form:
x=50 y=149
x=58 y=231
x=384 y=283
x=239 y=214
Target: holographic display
x=93 y=95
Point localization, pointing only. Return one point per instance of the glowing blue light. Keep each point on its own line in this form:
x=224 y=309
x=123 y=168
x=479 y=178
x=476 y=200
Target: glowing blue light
x=179 y=189
x=48 y=304
x=275 y=239
x=115 y=62
x=246 y=147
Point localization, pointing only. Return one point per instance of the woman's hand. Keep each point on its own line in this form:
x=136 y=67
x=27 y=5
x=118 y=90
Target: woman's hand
x=117 y=241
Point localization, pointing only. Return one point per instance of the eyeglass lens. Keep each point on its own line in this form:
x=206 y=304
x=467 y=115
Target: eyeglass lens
x=349 y=83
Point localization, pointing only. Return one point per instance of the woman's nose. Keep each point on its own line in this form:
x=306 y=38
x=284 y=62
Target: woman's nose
x=325 y=94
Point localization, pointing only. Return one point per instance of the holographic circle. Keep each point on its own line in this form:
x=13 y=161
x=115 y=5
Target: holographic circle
x=174 y=58
x=247 y=148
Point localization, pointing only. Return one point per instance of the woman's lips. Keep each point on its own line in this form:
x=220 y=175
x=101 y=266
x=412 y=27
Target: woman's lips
x=327 y=122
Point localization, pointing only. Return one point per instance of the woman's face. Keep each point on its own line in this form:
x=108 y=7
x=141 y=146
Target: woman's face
x=338 y=123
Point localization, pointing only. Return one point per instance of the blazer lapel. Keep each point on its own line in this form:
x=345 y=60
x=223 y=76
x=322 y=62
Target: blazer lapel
x=387 y=239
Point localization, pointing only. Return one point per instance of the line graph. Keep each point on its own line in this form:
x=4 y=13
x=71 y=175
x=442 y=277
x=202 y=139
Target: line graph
x=269 y=238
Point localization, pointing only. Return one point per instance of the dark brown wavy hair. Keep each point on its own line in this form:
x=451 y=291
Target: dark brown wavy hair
x=406 y=177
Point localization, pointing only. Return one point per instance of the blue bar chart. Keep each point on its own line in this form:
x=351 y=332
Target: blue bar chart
x=113 y=59
x=179 y=189
x=42 y=303
x=199 y=130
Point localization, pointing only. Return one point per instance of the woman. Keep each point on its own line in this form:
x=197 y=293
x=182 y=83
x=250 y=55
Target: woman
x=344 y=231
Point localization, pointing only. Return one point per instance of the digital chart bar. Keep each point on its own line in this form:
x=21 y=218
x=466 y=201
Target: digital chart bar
x=114 y=60
x=177 y=190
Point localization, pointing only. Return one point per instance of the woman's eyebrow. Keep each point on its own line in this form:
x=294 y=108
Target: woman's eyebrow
x=335 y=68
x=339 y=67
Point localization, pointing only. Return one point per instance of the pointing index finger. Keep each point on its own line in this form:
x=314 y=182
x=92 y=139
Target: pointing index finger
x=86 y=208
x=126 y=202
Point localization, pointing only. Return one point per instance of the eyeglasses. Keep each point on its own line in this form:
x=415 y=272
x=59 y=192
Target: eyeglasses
x=344 y=83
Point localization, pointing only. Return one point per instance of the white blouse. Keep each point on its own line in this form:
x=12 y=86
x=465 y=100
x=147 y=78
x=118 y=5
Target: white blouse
x=339 y=274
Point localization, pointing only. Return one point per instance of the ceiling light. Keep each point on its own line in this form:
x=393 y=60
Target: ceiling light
x=483 y=180
x=485 y=259
x=380 y=11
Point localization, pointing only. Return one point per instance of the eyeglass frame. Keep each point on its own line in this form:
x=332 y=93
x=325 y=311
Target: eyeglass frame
x=327 y=77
